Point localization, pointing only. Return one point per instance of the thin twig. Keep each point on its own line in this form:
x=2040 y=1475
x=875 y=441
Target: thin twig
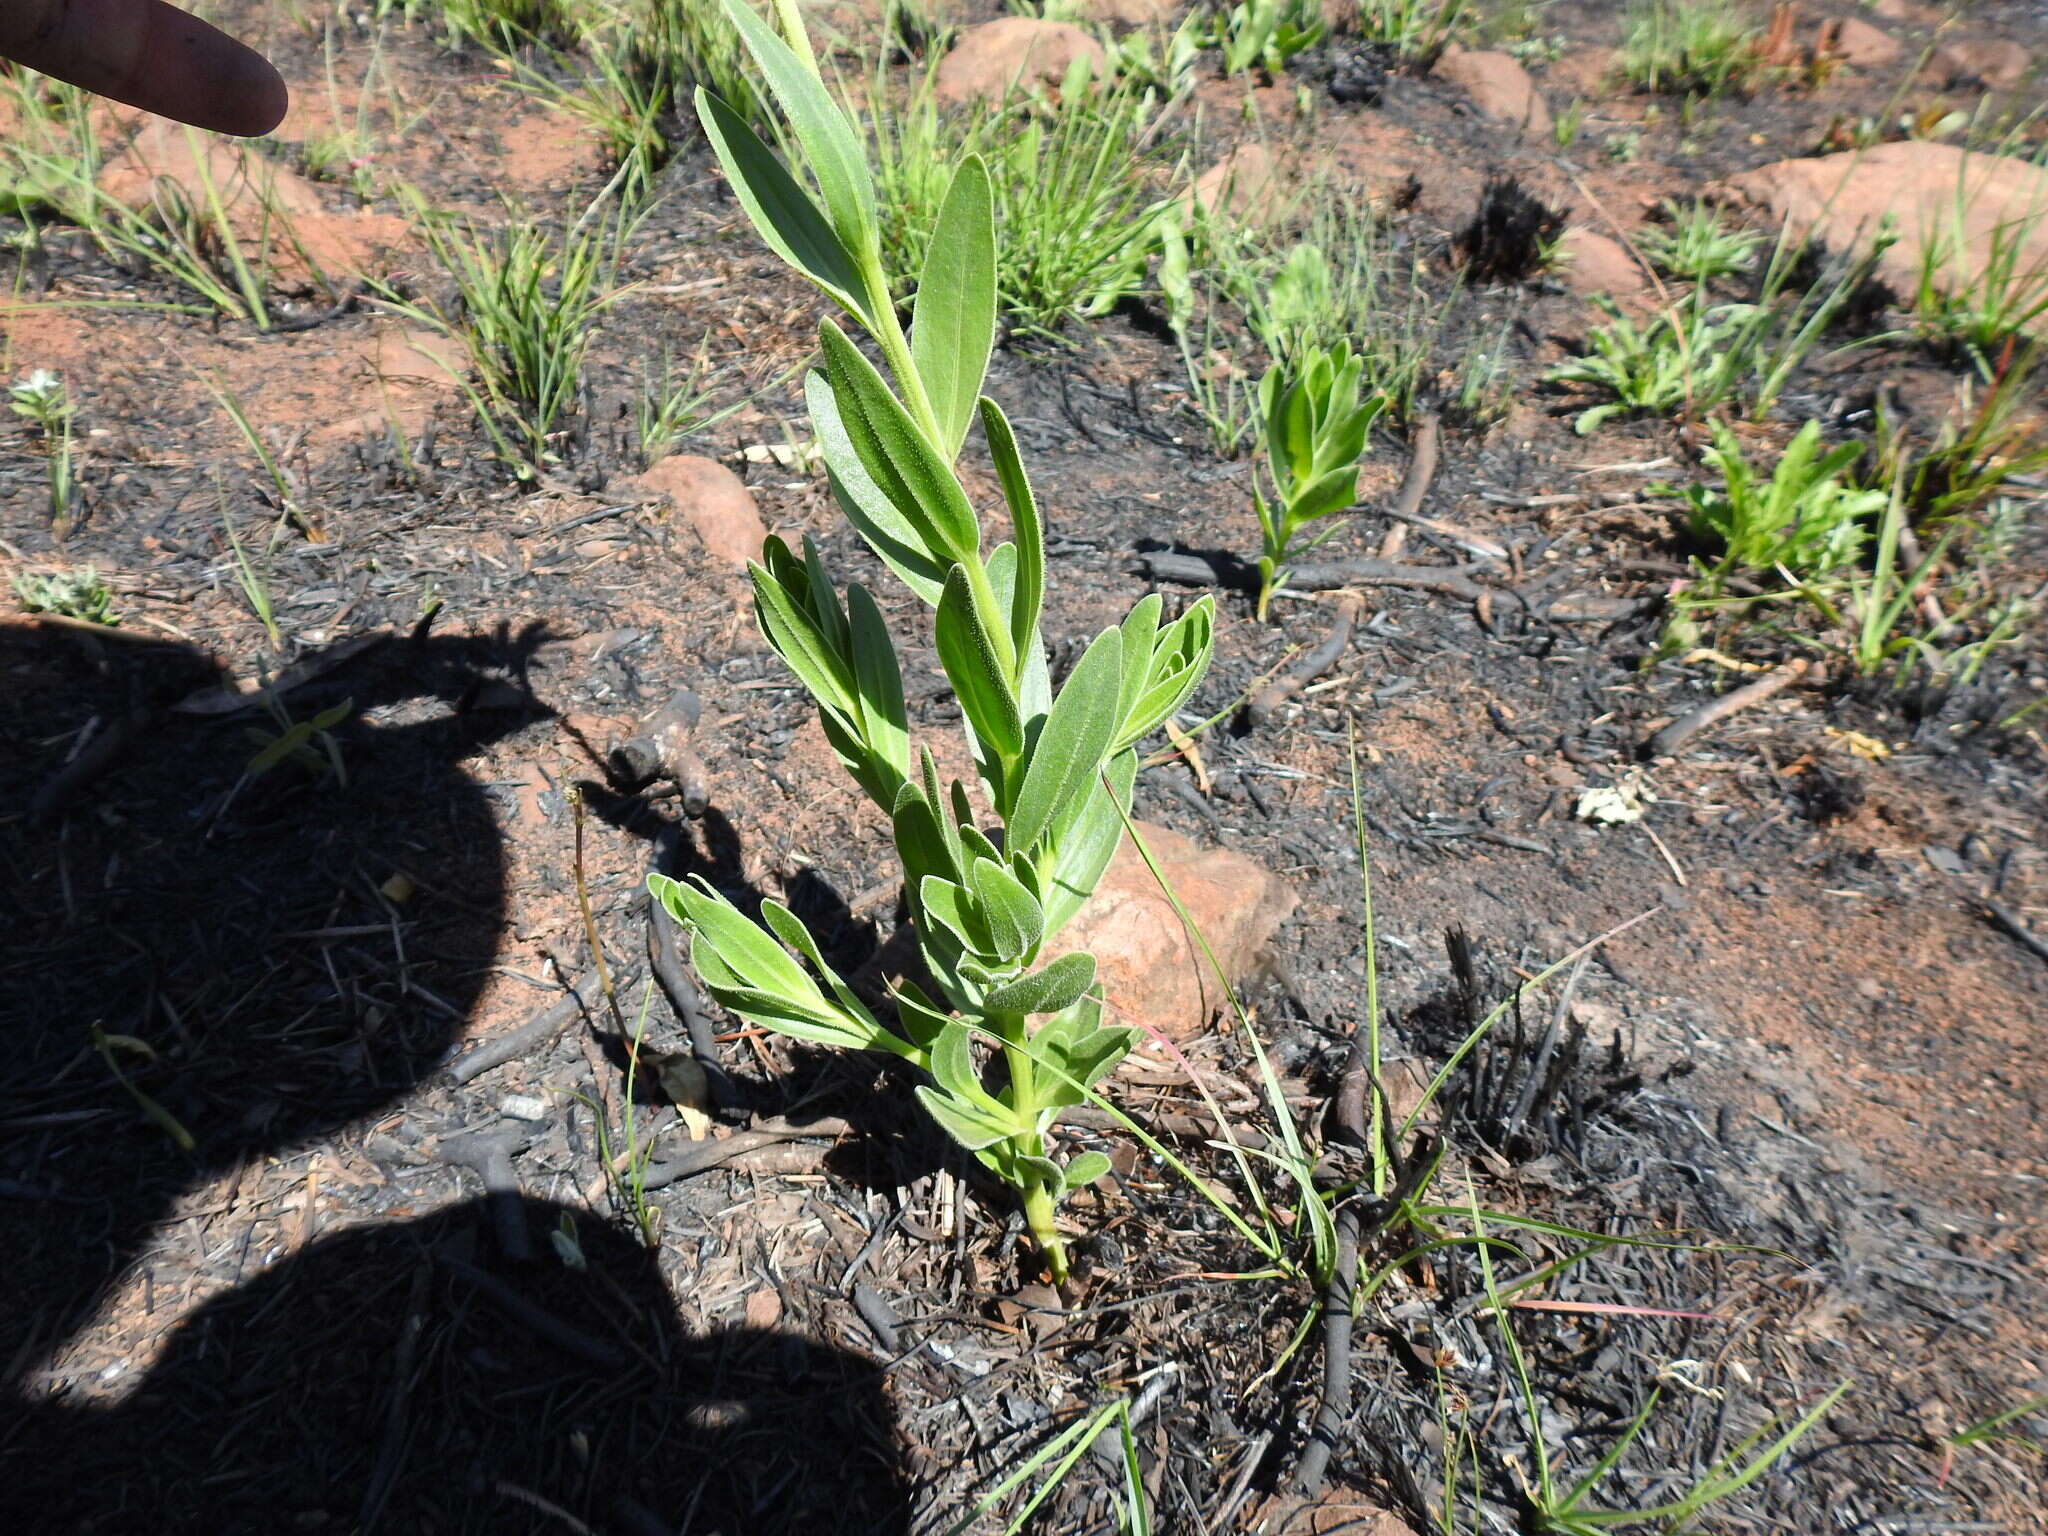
x=1667 y=741
x=1348 y=1112
x=1266 y=703
x=1414 y=486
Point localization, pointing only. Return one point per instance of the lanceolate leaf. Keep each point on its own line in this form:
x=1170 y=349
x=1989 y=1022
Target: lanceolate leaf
x=1014 y=919
x=887 y=532
x=836 y=155
x=968 y=653
x=1029 y=591
x=1057 y=984
x=783 y=214
x=880 y=681
x=797 y=640
x=897 y=456
x=1090 y=843
x=953 y=325
x=1069 y=751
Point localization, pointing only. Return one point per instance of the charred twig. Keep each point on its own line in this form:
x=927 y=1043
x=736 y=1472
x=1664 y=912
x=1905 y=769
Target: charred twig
x=391 y=1453
x=1671 y=737
x=2009 y=920
x=1348 y=1113
x=100 y=753
x=702 y=1156
x=1324 y=575
x=489 y=1155
x=1414 y=486
x=540 y=1030
x=660 y=749
x=1264 y=704
x=536 y=1320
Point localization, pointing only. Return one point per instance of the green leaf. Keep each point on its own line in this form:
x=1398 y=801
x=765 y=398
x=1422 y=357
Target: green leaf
x=1089 y=845
x=1028 y=594
x=893 y=537
x=1084 y=1170
x=952 y=907
x=967 y=651
x=1141 y=631
x=784 y=216
x=897 y=456
x=1069 y=750
x=835 y=154
x=972 y=1129
x=880 y=680
x=797 y=639
x=1056 y=985
x=953 y=322
x=1014 y=918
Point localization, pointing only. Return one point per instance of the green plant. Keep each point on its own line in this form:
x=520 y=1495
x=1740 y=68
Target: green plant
x=1975 y=291
x=1692 y=46
x=1564 y=128
x=219 y=242
x=1073 y=194
x=1315 y=432
x=1806 y=519
x=1158 y=60
x=250 y=581
x=1065 y=1451
x=1651 y=369
x=529 y=299
x=1977 y=451
x=1566 y=1509
x=294 y=741
x=1413 y=28
x=1265 y=34
x=41 y=397
x=987 y=890
x=1483 y=388
x=509 y=22
x=80 y=593
x=1694 y=244
x=671 y=408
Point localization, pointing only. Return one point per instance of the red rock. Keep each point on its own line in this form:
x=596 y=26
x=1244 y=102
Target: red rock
x=1962 y=204
x=992 y=60
x=1858 y=44
x=1597 y=267
x=279 y=218
x=1124 y=13
x=715 y=501
x=1151 y=972
x=1245 y=186
x=1499 y=87
x=1997 y=66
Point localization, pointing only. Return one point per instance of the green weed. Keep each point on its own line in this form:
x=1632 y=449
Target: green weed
x=1691 y=46
x=40 y=396
x=986 y=889
x=1074 y=195
x=1315 y=433
x=1412 y=28
x=1264 y=34
x=1695 y=245
x=80 y=593
x=529 y=301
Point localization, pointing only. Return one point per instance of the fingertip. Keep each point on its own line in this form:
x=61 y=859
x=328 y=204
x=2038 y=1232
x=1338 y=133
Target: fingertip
x=253 y=97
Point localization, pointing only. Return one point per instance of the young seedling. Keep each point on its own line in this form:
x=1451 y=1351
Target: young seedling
x=1315 y=429
x=80 y=594
x=1265 y=34
x=41 y=397
x=990 y=885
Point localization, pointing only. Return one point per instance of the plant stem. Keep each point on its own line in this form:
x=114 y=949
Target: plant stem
x=1014 y=1031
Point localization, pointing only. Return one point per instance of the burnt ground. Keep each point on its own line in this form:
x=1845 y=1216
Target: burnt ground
x=1810 y=1061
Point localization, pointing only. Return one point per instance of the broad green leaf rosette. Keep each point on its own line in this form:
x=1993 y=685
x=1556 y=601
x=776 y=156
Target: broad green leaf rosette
x=989 y=879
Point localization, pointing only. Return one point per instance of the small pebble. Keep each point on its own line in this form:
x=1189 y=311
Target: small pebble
x=523 y=1106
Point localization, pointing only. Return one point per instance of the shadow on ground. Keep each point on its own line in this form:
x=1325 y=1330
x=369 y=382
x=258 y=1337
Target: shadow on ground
x=398 y=1376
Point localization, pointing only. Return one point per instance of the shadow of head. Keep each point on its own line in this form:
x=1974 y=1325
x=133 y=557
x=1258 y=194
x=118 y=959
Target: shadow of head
x=223 y=899
x=395 y=1379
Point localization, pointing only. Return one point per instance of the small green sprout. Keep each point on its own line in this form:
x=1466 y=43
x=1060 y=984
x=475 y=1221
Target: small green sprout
x=42 y=398
x=1315 y=432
